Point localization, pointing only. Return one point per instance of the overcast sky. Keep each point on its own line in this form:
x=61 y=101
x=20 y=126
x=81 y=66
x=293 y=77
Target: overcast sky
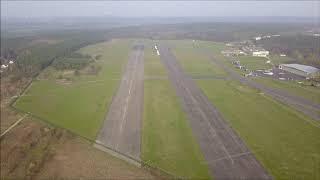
x=159 y=8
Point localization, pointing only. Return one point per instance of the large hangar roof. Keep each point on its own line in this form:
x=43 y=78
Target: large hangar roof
x=304 y=68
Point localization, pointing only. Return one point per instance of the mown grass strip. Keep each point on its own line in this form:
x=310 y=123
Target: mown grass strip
x=285 y=143
x=167 y=139
x=75 y=104
x=282 y=139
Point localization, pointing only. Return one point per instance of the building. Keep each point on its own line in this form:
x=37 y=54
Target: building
x=260 y=53
x=3 y=66
x=302 y=70
x=230 y=52
x=257 y=38
x=283 y=55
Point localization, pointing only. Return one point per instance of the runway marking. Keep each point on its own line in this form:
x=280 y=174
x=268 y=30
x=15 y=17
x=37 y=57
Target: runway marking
x=124 y=114
x=211 y=129
x=233 y=156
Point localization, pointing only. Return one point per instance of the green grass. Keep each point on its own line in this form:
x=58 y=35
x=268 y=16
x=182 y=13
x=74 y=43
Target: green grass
x=193 y=62
x=254 y=63
x=308 y=92
x=167 y=139
x=280 y=60
x=80 y=103
x=284 y=141
x=152 y=63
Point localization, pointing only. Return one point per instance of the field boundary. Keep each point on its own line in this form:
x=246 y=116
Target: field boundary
x=13 y=125
x=152 y=169
x=143 y=164
x=35 y=76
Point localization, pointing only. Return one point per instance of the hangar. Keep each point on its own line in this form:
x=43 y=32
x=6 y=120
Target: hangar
x=299 y=69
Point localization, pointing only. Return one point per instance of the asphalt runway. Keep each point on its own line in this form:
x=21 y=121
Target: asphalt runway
x=225 y=153
x=121 y=130
x=303 y=105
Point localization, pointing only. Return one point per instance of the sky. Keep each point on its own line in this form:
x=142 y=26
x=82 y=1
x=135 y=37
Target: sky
x=159 y=8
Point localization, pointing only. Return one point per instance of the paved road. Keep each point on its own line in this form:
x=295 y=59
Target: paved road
x=303 y=105
x=121 y=130
x=226 y=154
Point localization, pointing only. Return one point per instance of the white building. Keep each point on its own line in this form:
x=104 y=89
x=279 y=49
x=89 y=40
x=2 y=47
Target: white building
x=283 y=55
x=257 y=38
x=10 y=62
x=3 y=66
x=260 y=53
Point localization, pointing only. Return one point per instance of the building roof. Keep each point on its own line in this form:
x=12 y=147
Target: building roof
x=304 y=68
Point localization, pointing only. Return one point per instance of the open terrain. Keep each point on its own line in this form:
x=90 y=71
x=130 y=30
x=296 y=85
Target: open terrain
x=226 y=154
x=187 y=112
x=254 y=63
x=308 y=92
x=301 y=104
x=282 y=139
x=34 y=150
x=167 y=139
x=274 y=132
x=121 y=130
x=78 y=102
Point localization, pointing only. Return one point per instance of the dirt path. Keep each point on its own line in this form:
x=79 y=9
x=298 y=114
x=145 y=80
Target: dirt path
x=226 y=154
x=121 y=130
x=305 y=106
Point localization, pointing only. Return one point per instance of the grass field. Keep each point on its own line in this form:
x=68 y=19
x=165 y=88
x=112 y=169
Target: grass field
x=167 y=138
x=279 y=60
x=308 y=92
x=285 y=141
x=78 y=103
x=152 y=63
x=194 y=63
x=282 y=139
x=254 y=63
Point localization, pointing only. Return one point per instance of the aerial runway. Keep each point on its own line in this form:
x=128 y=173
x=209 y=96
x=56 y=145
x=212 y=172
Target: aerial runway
x=225 y=153
x=121 y=130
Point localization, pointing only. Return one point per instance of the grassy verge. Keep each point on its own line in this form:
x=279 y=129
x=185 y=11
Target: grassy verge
x=194 y=62
x=152 y=63
x=254 y=63
x=78 y=102
x=308 y=92
x=167 y=139
x=280 y=60
x=283 y=140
